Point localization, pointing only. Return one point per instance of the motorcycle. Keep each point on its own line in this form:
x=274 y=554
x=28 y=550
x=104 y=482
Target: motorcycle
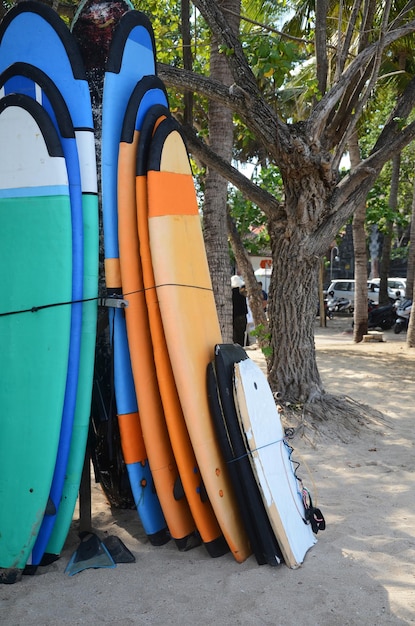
x=337 y=305
x=383 y=317
x=403 y=313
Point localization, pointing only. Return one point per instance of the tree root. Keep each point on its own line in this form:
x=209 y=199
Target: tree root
x=330 y=417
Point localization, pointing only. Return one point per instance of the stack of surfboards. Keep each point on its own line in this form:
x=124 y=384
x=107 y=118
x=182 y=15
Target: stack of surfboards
x=194 y=451
x=202 y=461
x=155 y=258
x=49 y=272
x=270 y=494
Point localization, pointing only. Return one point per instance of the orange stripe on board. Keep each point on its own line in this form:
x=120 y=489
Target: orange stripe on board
x=158 y=122
x=112 y=273
x=170 y=193
x=132 y=442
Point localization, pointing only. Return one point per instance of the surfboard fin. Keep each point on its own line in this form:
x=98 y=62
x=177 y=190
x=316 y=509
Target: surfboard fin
x=91 y=553
x=202 y=492
x=178 y=491
x=50 y=507
x=118 y=550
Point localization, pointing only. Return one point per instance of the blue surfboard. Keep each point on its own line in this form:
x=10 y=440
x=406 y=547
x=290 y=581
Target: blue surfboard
x=148 y=91
x=33 y=34
x=36 y=274
x=56 y=109
x=131 y=57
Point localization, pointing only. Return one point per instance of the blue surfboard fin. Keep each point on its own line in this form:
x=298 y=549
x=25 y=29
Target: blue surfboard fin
x=91 y=553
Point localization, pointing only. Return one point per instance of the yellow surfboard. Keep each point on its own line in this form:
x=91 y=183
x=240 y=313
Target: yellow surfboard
x=189 y=315
x=193 y=488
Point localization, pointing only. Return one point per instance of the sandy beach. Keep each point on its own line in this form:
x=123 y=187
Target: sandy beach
x=360 y=572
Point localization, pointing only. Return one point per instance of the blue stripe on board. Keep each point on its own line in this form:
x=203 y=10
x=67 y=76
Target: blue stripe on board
x=148 y=507
x=34 y=192
x=21 y=84
x=131 y=57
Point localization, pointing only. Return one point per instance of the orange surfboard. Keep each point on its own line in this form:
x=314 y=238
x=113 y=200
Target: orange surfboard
x=188 y=311
x=156 y=438
x=192 y=484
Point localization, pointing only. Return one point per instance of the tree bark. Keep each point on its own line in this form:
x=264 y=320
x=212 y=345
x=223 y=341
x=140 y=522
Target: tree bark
x=216 y=187
x=410 y=277
x=292 y=304
x=360 y=254
x=387 y=239
x=360 y=313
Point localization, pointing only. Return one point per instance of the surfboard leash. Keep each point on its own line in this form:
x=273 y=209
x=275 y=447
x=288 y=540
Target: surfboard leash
x=312 y=515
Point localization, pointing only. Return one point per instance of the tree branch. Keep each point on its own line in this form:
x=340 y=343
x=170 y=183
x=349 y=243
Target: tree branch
x=323 y=110
x=320 y=45
x=263 y=199
x=259 y=116
x=190 y=81
x=360 y=180
x=344 y=49
x=366 y=90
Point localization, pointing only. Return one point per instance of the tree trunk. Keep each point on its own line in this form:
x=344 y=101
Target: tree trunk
x=410 y=276
x=385 y=264
x=293 y=373
x=360 y=274
x=360 y=254
x=293 y=369
x=187 y=60
x=216 y=187
x=387 y=239
x=254 y=291
x=410 y=273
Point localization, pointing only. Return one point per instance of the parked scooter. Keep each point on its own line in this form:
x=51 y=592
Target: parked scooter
x=337 y=305
x=403 y=313
x=383 y=317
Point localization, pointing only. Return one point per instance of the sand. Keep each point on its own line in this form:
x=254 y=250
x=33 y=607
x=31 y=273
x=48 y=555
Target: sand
x=361 y=571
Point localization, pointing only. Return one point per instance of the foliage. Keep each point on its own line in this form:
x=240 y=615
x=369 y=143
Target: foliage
x=264 y=339
x=249 y=219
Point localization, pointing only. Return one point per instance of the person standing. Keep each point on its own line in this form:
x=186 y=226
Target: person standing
x=239 y=309
x=264 y=296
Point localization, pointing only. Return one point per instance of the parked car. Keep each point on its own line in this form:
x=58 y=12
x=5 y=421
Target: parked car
x=394 y=285
x=342 y=288
x=345 y=288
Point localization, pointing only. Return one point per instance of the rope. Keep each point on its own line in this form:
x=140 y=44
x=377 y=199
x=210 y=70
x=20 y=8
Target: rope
x=36 y=309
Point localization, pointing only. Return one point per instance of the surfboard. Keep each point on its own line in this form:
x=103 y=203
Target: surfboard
x=253 y=513
x=188 y=312
x=271 y=462
x=147 y=92
x=36 y=274
x=130 y=58
x=32 y=34
x=93 y=26
x=153 y=423
x=26 y=79
x=132 y=442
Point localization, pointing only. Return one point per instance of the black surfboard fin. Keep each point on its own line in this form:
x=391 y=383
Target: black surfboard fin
x=118 y=550
x=50 y=507
x=178 y=491
x=91 y=553
x=202 y=492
